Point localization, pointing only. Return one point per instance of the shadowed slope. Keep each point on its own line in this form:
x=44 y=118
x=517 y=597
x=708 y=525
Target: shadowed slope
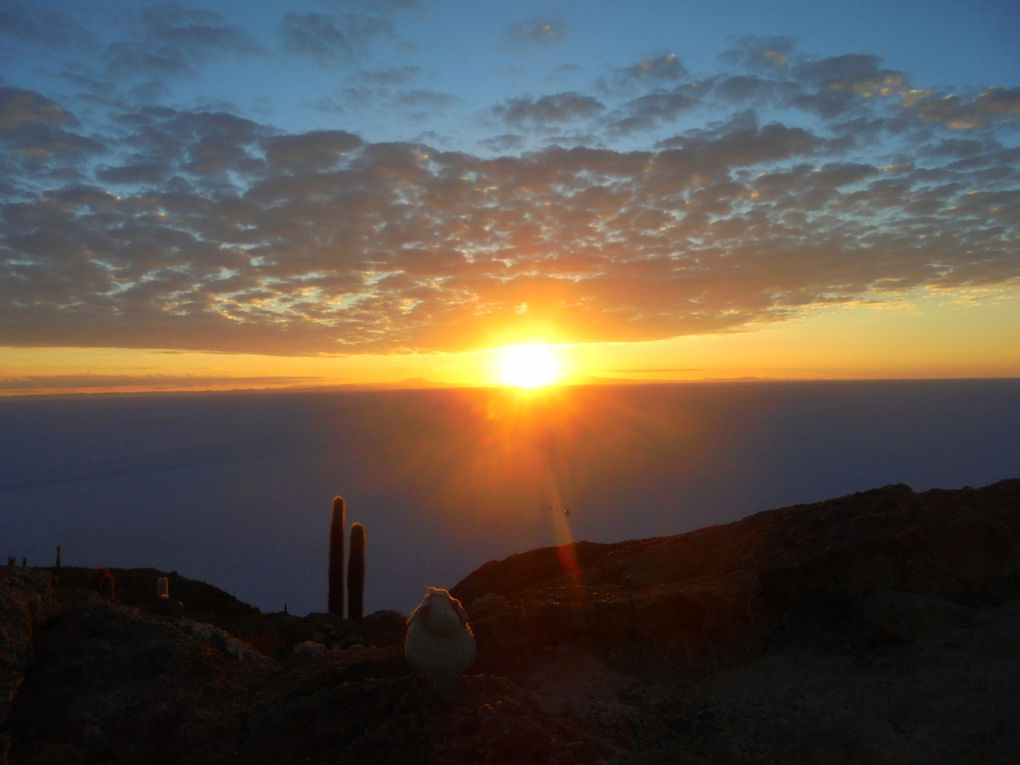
x=882 y=626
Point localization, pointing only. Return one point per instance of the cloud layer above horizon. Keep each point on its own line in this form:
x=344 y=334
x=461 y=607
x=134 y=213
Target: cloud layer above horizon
x=643 y=201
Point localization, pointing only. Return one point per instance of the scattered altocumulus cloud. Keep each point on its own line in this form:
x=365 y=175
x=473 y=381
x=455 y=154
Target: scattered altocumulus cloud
x=664 y=68
x=548 y=110
x=176 y=41
x=331 y=38
x=536 y=31
x=817 y=181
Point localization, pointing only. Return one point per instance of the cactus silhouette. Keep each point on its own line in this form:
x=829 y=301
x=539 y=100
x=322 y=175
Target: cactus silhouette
x=164 y=607
x=336 y=557
x=356 y=573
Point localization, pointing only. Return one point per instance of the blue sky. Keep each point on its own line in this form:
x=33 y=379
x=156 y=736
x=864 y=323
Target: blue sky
x=404 y=176
x=477 y=53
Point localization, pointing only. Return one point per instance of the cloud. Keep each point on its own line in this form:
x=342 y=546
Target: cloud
x=136 y=170
x=32 y=128
x=127 y=60
x=32 y=24
x=309 y=152
x=536 y=31
x=760 y=54
x=817 y=182
x=743 y=146
x=650 y=110
x=25 y=108
x=376 y=5
x=338 y=245
x=199 y=33
x=390 y=76
x=503 y=142
x=329 y=39
x=176 y=42
x=163 y=143
x=413 y=104
x=662 y=69
x=958 y=147
x=429 y=100
x=563 y=71
x=965 y=114
x=770 y=70
x=750 y=90
x=839 y=86
x=548 y=110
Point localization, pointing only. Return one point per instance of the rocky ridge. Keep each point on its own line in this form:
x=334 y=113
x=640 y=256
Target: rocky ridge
x=878 y=627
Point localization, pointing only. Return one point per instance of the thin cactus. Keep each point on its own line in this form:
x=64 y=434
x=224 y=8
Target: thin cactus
x=164 y=606
x=356 y=573
x=336 y=557
x=58 y=557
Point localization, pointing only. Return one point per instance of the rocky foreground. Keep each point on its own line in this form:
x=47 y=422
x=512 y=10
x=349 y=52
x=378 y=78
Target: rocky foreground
x=878 y=627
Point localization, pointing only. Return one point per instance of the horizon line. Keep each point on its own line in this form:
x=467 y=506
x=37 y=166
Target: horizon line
x=425 y=384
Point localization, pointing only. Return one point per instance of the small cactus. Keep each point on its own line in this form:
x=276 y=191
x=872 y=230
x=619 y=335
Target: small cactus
x=356 y=573
x=336 y=557
x=58 y=557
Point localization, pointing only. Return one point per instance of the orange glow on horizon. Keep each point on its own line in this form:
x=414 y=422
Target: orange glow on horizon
x=923 y=335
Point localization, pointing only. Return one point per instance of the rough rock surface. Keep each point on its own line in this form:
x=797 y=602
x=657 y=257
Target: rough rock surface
x=725 y=583
x=879 y=627
x=26 y=598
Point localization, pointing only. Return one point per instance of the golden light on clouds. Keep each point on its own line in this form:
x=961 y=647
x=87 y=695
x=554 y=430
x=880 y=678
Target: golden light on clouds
x=668 y=212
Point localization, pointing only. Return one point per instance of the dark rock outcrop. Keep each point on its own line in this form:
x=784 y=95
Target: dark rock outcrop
x=878 y=627
x=836 y=559
x=26 y=599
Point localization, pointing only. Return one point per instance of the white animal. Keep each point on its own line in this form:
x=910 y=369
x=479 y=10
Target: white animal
x=439 y=640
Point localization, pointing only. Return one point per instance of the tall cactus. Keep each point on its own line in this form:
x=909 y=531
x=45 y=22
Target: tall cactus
x=163 y=605
x=336 y=557
x=356 y=573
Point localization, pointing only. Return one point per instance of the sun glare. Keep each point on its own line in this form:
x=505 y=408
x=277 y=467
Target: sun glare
x=529 y=366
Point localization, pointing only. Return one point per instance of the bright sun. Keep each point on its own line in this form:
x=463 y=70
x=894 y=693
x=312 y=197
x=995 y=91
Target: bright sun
x=529 y=366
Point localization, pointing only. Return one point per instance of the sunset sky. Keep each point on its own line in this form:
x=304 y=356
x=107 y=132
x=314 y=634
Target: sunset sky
x=266 y=194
